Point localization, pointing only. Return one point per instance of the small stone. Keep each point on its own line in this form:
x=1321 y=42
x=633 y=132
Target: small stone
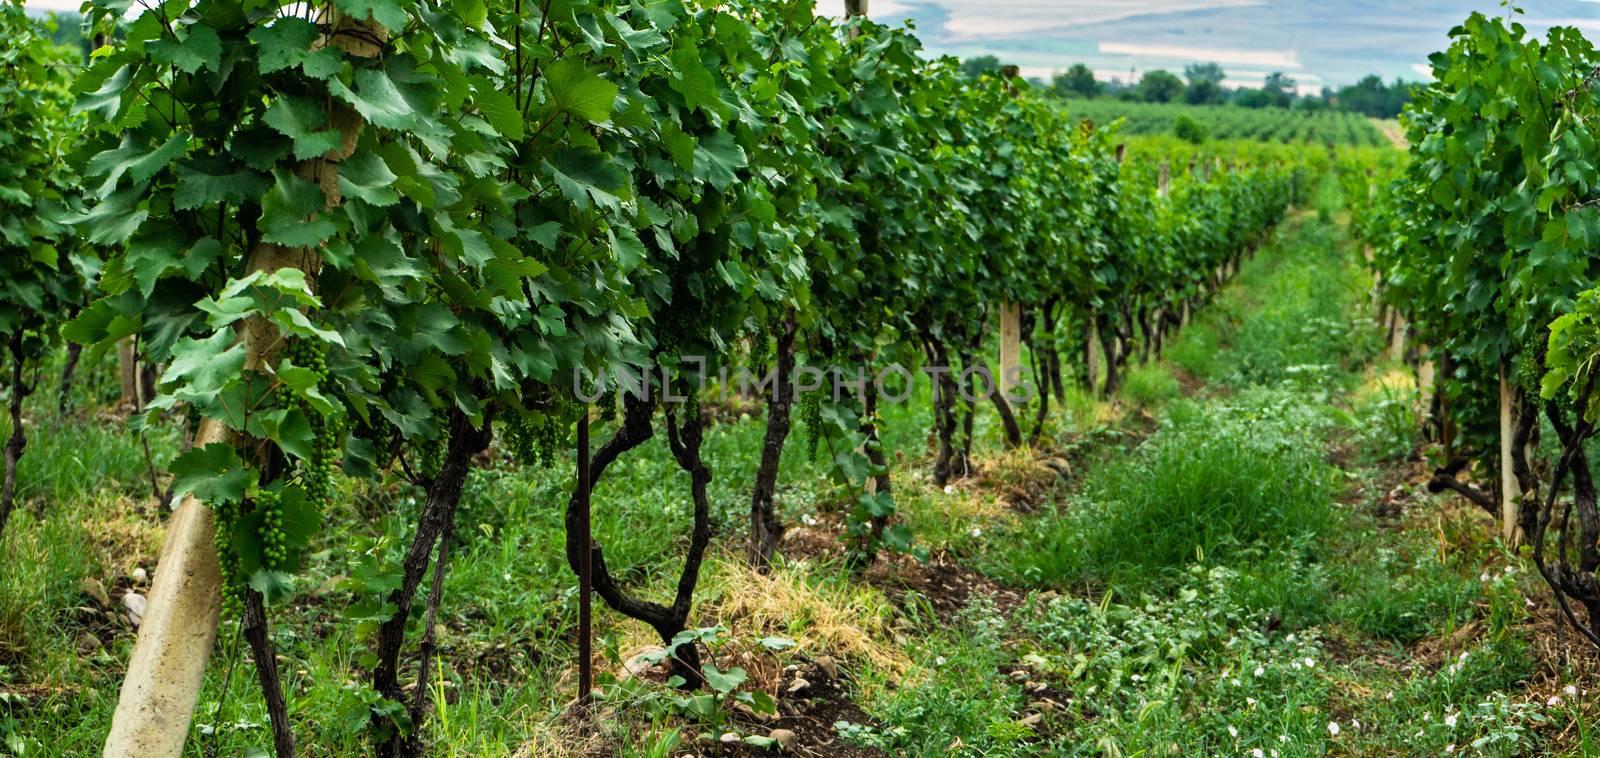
x=329 y=585
x=1042 y=705
x=1037 y=687
x=728 y=738
x=140 y=575
x=798 y=685
x=1020 y=675
x=88 y=644
x=828 y=666
x=637 y=664
x=136 y=605
x=96 y=589
x=1033 y=720
x=783 y=737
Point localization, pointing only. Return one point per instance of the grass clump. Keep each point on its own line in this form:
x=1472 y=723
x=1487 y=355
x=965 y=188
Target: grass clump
x=1217 y=480
x=1150 y=386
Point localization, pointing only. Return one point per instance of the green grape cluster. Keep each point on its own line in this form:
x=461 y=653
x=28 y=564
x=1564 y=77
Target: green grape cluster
x=227 y=515
x=811 y=416
x=540 y=436
x=274 y=546
x=1529 y=369
x=430 y=455
x=316 y=475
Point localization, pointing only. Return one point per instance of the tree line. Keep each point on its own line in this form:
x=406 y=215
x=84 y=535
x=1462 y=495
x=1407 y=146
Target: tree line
x=1202 y=84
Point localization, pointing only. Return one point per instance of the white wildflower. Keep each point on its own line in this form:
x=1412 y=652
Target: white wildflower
x=1450 y=719
x=949 y=489
x=976 y=532
x=1261 y=670
x=1311 y=663
x=1250 y=701
x=1571 y=691
x=1233 y=731
x=1256 y=753
x=1450 y=748
x=1333 y=728
x=1553 y=701
x=939 y=661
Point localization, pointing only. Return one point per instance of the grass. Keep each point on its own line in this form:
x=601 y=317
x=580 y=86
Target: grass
x=1172 y=562
x=1207 y=486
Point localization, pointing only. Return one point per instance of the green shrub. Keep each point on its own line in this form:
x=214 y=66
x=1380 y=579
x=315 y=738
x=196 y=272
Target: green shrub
x=1189 y=130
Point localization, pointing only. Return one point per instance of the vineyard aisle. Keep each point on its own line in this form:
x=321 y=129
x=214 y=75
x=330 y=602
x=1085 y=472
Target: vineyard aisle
x=1236 y=554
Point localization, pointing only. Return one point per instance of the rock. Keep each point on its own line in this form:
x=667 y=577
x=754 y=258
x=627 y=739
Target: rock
x=96 y=589
x=1037 y=687
x=1032 y=721
x=1042 y=705
x=136 y=604
x=783 y=737
x=729 y=738
x=828 y=666
x=1019 y=676
x=329 y=585
x=1058 y=464
x=797 y=686
x=140 y=575
x=88 y=644
x=637 y=664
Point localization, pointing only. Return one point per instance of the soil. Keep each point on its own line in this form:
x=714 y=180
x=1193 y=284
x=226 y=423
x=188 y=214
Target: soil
x=944 y=585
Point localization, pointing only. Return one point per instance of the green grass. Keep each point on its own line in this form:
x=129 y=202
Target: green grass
x=1212 y=483
x=1166 y=571
x=1149 y=386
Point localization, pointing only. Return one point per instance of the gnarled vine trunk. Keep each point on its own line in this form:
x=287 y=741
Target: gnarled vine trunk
x=766 y=531
x=436 y=520
x=684 y=441
x=19 y=437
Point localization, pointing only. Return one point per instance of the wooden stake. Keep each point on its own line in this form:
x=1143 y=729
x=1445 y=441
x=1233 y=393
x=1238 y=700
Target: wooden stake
x=1397 y=342
x=1093 y=358
x=1164 y=182
x=1010 y=347
x=1510 y=489
x=585 y=569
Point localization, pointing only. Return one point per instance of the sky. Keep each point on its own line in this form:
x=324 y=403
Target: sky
x=1315 y=42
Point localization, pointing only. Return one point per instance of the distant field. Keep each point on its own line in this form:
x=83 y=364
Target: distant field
x=1234 y=122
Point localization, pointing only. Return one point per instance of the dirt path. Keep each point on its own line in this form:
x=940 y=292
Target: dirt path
x=1392 y=131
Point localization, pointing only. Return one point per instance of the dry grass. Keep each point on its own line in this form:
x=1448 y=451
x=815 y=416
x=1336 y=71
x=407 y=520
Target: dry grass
x=848 y=621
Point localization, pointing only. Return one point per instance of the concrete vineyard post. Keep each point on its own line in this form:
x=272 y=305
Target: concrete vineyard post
x=167 y=669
